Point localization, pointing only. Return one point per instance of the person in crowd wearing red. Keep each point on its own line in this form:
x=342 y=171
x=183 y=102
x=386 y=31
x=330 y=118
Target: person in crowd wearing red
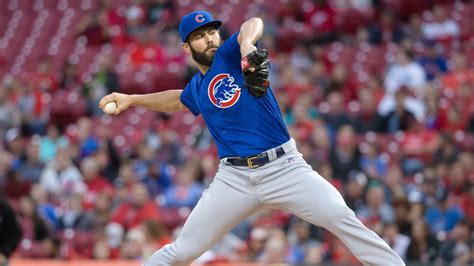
x=95 y=183
x=44 y=77
x=418 y=147
x=139 y=208
x=321 y=18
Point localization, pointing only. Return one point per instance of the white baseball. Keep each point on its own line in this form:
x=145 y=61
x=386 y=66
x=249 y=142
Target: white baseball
x=110 y=107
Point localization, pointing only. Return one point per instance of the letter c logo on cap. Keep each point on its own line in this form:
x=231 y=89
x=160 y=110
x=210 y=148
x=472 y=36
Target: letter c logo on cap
x=199 y=18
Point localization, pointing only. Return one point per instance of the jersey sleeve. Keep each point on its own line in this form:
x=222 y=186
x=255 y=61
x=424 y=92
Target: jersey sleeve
x=187 y=99
x=230 y=49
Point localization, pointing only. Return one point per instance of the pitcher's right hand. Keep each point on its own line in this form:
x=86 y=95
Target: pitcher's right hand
x=123 y=101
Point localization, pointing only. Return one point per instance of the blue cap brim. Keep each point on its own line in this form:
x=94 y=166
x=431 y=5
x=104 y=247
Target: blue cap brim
x=216 y=23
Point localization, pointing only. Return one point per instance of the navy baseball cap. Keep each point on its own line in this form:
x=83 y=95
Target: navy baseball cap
x=195 y=20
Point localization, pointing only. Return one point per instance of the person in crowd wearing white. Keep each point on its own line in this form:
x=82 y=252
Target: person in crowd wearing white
x=442 y=27
x=405 y=72
x=61 y=175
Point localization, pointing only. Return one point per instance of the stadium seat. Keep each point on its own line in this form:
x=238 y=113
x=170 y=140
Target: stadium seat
x=63 y=113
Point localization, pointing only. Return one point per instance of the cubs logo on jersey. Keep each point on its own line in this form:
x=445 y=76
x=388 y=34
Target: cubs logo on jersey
x=222 y=91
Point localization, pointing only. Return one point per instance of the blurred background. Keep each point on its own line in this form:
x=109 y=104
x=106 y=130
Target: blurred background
x=379 y=95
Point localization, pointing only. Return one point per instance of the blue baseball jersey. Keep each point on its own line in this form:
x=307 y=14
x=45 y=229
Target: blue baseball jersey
x=240 y=123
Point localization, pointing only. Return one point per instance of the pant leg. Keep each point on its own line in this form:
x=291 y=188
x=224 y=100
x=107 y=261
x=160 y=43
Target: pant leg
x=227 y=201
x=293 y=186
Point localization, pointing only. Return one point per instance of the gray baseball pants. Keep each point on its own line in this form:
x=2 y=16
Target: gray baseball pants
x=287 y=183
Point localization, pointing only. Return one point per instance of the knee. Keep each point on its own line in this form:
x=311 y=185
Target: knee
x=336 y=214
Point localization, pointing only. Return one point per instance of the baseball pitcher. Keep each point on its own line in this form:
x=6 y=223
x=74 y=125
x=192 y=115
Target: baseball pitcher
x=260 y=165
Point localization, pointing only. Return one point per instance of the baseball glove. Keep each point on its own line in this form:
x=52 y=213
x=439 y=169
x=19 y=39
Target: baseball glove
x=256 y=67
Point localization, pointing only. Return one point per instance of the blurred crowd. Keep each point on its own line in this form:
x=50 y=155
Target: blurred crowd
x=380 y=102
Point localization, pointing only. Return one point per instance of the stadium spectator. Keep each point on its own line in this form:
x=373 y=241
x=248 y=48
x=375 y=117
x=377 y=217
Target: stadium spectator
x=257 y=238
x=94 y=27
x=386 y=29
x=367 y=119
x=102 y=211
x=456 y=250
x=157 y=177
x=318 y=75
x=156 y=236
x=467 y=199
x=88 y=141
x=44 y=78
x=314 y=254
x=14 y=142
x=444 y=214
x=432 y=61
x=289 y=14
x=33 y=227
x=169 y=148
x=341 y=81
x=395 y=240
x=50 y=143
x=105 y=81
x=124 y=182
x=355 y=189
x=46 y=207
x=146 y=50
x=302 y=123
x=60 y=175
x=69 y=78
x=372 y=162
x=402 y=217
x=73 y=216
x=95 y=183
x=29 y=165
x=300 y=240
x=288 y=25
x=185 y=191
x=101 y=251
x=133 y=244
x=413 y=29
x=336 y=115
x=135 y=17
x=32 y=105
x=442 y=27
x=321 y=142
x=345 y=155
x=276 y=248
x=459 y=74
x=108 y=160
x=161 y=13
x=9 y=115
x=404 y=73
x=139 y=208
x=456 y=180
x=395 y=189
x=424 y=246
x=14 y=187
x=435 y=116
x=401 y=118
x=375 y=212
x=172 y=51
x=321 y=19
x=418 y=147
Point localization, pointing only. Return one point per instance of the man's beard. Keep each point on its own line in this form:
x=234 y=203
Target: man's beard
x=202 y=58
